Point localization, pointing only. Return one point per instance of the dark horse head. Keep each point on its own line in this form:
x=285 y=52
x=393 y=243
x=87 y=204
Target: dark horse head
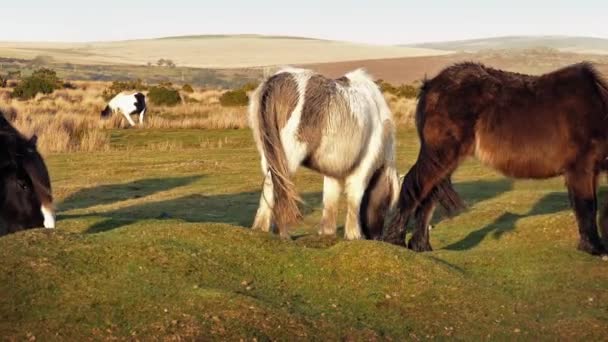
x=26 y=199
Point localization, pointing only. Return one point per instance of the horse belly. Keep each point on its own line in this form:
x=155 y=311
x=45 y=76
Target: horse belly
x=524 y=159
x=338 y=154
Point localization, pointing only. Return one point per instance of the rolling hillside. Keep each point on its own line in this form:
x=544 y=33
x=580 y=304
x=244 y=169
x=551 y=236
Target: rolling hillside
x=216 y=51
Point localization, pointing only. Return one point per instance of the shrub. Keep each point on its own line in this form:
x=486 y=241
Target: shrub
x=43 y=81
x=405 y=90
x=234 y=98
x=187 y=88
x=118 y=87
x=249 y=87
x=164 y=96
x=14 y=75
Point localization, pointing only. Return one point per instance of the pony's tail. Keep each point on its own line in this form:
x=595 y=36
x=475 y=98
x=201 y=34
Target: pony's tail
x=285 y=210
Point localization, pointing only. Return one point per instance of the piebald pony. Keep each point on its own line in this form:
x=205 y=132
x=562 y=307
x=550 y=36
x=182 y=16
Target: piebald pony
x=340 y=128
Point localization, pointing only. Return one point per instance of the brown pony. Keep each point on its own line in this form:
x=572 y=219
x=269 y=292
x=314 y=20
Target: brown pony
x=533 y=127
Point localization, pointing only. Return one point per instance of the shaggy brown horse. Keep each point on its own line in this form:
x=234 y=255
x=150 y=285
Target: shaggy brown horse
x=533 y=127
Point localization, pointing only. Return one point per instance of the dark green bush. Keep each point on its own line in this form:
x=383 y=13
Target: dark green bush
x=164 y=96
x=43 y=81
x=118 y=87
x=187 y=88
x=234 y=98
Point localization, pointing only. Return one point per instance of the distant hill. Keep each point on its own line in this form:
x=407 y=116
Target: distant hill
x=586 y=45
x=212 y=51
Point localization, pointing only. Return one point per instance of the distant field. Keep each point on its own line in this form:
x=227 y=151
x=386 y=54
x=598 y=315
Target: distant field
x=414 y=69
x=584 y=45
x=211 y=51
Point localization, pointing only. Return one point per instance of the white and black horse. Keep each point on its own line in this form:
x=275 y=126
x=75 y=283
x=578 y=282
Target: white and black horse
x=127 y=104
x=340 y=128
x=26 y=199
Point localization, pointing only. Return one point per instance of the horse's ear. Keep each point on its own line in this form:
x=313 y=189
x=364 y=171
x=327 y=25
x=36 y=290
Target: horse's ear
x=33 y=140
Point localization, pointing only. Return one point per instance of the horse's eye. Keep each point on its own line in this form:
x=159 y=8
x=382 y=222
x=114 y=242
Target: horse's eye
x=23 y=185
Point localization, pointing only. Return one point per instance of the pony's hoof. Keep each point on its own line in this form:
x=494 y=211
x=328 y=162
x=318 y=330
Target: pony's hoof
x=419 y=246
x=591 y=248
x=395 y=240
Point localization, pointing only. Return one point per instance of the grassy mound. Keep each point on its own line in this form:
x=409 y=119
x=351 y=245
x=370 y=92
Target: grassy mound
x=153 y=244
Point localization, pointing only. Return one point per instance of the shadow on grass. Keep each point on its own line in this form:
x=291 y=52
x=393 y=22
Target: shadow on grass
x=108 y=194
x=235 y=209
x=549 y=204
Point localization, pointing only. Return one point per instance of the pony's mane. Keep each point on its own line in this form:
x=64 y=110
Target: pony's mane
x=600 y=82
x=292 y=70
x=359 y=75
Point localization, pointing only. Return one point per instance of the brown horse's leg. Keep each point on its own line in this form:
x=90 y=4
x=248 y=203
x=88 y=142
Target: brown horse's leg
x=420 y=239
x=427 y=174
x=604 y=225
x=582 y=191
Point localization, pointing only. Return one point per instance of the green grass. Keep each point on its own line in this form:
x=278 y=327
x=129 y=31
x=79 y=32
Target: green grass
x=155 y=244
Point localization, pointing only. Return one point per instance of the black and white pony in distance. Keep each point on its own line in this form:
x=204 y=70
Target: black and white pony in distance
x=127 y=104
x=340 y=128
x=26 y=199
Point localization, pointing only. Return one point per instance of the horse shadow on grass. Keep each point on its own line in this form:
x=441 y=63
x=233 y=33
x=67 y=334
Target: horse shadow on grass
x=235 y=209
x=551 y=203
x=112 y=193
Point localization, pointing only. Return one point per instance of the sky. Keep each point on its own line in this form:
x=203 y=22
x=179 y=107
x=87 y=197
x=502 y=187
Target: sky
x=369 y=21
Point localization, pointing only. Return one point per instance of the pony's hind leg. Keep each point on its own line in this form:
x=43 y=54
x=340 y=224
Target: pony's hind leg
x=331 y=195
x=582 y=191
x=263 y=217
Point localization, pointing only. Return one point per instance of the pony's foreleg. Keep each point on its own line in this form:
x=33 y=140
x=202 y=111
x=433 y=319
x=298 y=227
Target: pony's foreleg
x=582 y=191
x=128 y=117
x=263 y=217
x=420 y=241
x=418 y=184
x=141 y=116
x=331 y=195
x=355 y=189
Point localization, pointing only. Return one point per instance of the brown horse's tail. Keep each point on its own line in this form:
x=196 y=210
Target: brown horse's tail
x=285 y=210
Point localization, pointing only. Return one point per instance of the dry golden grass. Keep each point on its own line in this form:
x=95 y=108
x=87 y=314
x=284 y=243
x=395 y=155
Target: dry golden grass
x=403 y=109
x=69 y=119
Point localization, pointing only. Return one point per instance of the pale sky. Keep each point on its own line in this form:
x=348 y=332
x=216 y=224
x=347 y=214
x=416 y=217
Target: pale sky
x=367 y=21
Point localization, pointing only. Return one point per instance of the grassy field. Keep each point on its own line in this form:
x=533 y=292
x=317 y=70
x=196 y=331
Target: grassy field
x=155 y=244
